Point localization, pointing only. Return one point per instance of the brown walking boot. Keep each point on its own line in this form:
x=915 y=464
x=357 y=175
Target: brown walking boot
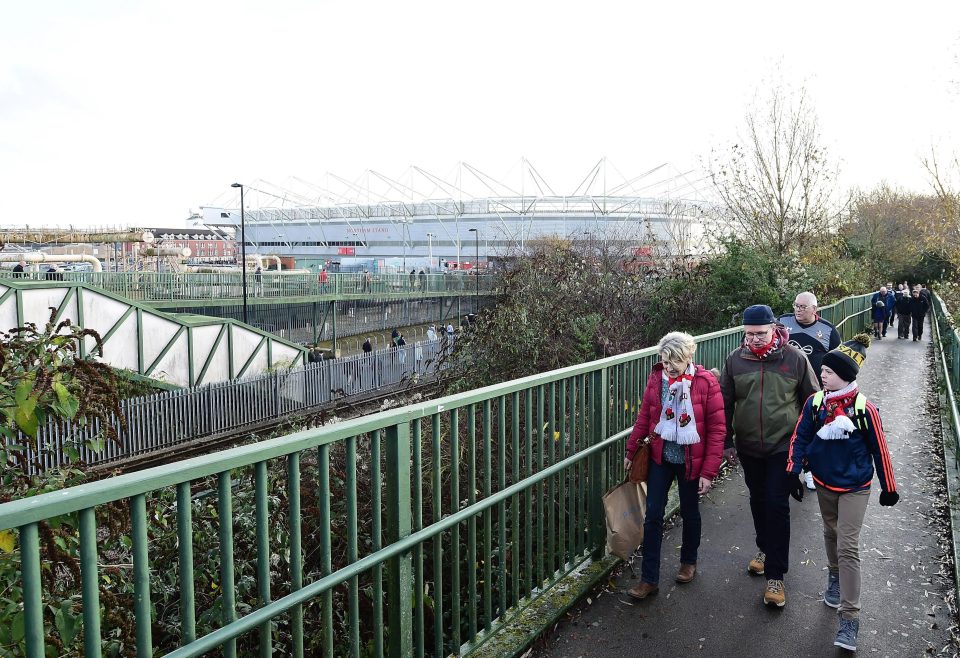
x=686 y=573
x=642 y=591
x=774 y=594
x=757 y=564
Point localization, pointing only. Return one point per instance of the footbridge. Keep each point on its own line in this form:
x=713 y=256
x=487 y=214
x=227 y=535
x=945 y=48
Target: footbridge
x=179 y=349
x=297 y=307
x=467 y=525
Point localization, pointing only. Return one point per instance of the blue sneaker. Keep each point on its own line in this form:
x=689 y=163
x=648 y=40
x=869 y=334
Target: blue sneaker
x=847 y=634
x=832 y=596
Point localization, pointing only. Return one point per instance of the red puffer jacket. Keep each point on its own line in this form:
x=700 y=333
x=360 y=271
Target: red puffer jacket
x=703 y=458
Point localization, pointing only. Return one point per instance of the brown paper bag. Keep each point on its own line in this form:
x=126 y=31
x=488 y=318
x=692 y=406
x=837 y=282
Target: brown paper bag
x=625 y=507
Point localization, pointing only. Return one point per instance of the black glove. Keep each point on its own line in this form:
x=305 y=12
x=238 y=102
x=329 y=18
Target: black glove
x=794 y=486
x=889 y=498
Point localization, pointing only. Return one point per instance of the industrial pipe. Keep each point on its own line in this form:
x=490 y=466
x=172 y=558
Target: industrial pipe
x=176 y=252
x=44 y=236
x=257 y=260
x=36 y=257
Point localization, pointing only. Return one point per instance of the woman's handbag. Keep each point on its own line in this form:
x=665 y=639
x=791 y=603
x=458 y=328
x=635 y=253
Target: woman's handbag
x=640 y=463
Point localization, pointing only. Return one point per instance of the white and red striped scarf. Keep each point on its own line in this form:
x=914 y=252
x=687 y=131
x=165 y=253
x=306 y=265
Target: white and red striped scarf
x=677 y=422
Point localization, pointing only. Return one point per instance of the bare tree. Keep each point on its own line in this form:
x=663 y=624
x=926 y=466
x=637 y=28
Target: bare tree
x=941 y=231
x=680 y=236
x=882 y=227
x=777 y=186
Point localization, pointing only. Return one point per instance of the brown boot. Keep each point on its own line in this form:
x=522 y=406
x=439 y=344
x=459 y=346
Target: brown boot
x=642 y=591
x=686 y=573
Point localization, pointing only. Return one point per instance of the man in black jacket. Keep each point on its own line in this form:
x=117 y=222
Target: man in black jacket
x=918 y=311
x=903 y=314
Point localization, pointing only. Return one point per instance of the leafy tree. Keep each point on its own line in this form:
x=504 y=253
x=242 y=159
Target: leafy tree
x=569 y=302
x=43 y=376
x=561 y=303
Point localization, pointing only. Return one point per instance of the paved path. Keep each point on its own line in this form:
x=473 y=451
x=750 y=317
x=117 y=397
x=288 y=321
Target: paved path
x=905 y=585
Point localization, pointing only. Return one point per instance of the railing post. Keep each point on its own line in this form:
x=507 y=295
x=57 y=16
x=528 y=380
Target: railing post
x=400 y=568
x=599 y=394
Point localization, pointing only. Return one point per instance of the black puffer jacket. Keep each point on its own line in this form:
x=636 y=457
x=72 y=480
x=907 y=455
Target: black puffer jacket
x=903 y=304
x=919 y=306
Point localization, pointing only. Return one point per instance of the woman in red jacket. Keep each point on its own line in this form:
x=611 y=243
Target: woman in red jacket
x=682 y=414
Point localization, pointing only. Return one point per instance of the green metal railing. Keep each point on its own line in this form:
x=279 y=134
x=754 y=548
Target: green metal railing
x=412 y=532
x=171 y=286
x=948 y=338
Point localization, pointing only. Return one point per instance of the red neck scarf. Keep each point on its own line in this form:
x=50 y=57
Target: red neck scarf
x=836 y=406
x=763 y=351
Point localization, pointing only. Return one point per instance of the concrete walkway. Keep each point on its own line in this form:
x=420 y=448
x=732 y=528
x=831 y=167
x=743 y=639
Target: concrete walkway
x=907 y=588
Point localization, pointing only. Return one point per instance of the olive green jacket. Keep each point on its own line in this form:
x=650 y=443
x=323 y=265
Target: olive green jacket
x=763 y=399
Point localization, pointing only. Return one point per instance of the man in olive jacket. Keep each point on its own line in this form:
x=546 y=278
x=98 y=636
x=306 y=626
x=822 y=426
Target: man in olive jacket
x=765 y=383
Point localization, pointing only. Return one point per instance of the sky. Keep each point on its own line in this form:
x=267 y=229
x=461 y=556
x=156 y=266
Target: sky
x=126 y=113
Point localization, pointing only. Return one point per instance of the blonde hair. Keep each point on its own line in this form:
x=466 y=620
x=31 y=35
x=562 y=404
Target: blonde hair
x=677 y=346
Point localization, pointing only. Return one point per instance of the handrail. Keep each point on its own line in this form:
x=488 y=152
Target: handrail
x=951 y=372
x=171 y=287
x=278 y=607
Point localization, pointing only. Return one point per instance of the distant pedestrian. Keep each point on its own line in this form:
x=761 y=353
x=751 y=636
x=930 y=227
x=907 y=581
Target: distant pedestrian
x=367 y=346
x=902 y=308
x=19 y=270
x=322 y=279
x=918 y=312
x=53 y=273
x=367 y=281
x=450 y=330
x=413 y=278
x=418 y=356
x=432 y=332
x=423 y=280
x=838 y=433
x=891 y=300
x=925 y=293
x=394 y=335
x=878 y=312
x=258 y=282
x=401 y=348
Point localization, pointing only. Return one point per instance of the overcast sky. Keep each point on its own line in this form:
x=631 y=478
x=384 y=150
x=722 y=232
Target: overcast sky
x=132 y=113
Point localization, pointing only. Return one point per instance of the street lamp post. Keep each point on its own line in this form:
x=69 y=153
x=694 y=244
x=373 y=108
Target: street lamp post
x=476 y=267
x=243 y=252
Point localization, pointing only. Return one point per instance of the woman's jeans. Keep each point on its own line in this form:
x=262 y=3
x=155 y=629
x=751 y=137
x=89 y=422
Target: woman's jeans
x=659 y=480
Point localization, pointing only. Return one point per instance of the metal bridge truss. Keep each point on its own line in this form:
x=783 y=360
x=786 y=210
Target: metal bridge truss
x=182 y=350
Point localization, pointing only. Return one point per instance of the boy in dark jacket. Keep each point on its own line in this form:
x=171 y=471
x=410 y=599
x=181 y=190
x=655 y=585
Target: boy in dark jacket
x=839 y=438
